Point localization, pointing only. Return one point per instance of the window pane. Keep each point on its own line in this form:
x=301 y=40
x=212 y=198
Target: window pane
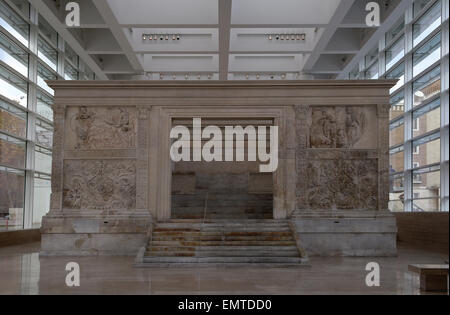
x=394 y=31
x=44 y=134
x=426 y=153
x=354 y=74
x=396 y=161
x=427 y=54
x=14 y=24
x=396 y=133
x=12 y=189
x=71 y=55
x=44 y=74
x=70 y=73
x=372 y=72
x=397 y=105
x=419 y=5
x=44 y=105
x=48 y=31
x=427 y=23
x=12 y=151
x=13 y=120
x=41 y=198
x=426 y=185
x=14 y=56
x=13 y=87
x=395 y=52
x=23 y=6
x=371 y=56
x=427 y=86
x=47 y=53
x=396 y=205
x=396 y=192
x=397 y=73
x=43 y=160
x=427 y=118
x=88 y=73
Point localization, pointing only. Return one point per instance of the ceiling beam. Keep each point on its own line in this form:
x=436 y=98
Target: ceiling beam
x=224 y=37
x=64 y=32
x=118 y=33
x=328 y=33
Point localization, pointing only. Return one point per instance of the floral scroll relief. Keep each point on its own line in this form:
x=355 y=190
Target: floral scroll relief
x=99 y=184
x=342 y=184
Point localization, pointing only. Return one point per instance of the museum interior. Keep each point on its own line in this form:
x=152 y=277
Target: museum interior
x=236 y=147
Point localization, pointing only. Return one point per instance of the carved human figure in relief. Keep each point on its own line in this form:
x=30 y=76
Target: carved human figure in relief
x=323 y=130
x=104 y=128
x=336 y=127
x=80 y=125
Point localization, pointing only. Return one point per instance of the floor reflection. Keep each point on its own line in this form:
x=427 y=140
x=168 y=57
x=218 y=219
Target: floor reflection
x=23 y=271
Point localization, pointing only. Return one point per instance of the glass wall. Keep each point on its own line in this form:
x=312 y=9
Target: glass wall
x=412 y=52
x=26 y=115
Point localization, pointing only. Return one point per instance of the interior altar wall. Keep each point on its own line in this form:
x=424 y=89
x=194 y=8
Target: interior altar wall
x=111 y=174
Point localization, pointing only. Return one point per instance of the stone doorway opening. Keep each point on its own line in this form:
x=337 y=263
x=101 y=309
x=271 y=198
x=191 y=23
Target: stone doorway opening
x=233 y=190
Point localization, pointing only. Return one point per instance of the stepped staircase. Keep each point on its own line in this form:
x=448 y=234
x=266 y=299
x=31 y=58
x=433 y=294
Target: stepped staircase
x=226 y=242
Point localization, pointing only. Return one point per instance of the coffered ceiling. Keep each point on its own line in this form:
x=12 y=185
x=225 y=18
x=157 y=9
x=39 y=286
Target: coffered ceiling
x=219 y=39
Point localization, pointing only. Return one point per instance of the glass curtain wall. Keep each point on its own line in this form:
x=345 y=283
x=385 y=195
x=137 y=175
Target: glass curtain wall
x=26 y=115
x=415 y=51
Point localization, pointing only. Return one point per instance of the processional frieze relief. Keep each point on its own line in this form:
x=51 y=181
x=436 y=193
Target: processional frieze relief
x=96 y=128
x=99 y=184
x=344 y=127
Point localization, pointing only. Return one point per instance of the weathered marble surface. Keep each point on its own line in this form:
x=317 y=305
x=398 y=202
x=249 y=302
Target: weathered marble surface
x=342 y=127
x=111 y=166
x=99 y=184
x=340 y=184
x=94 y=128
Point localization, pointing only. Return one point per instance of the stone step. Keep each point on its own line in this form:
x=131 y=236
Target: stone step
x=219 y=259
x=222 y=248
x=272 y=265
x=221 y=253
x=221 y=233
x=223 y=216
x=223 y=243
x=219 y=209
x=227 y=222
x=220 y=238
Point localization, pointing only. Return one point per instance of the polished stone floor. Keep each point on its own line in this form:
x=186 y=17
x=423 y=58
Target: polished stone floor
x=22 y=271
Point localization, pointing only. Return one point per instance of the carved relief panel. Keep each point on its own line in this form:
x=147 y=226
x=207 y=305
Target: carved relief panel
x=343 y=127
x=96 y=128
x=99 y=184
x=340 y=184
